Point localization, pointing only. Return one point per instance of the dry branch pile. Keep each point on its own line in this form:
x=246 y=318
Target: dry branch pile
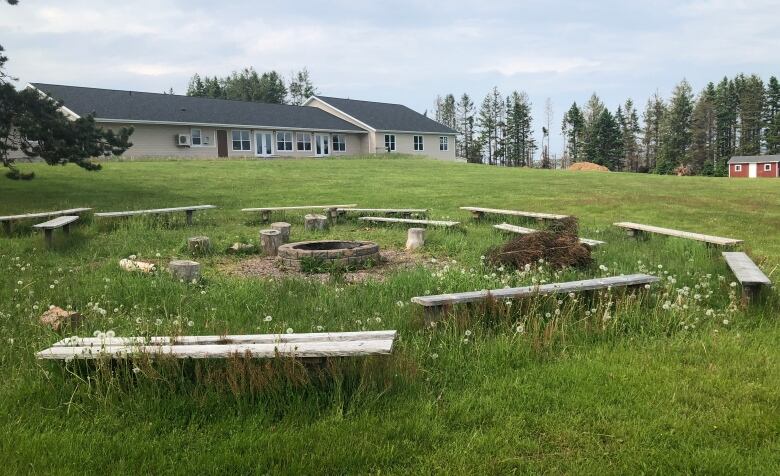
x=559 y=246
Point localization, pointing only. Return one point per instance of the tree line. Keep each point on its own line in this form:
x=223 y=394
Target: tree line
x=248 y=85
x=687 y=134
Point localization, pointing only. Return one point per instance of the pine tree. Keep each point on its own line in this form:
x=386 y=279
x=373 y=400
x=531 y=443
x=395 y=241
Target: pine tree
x=487 y=129
x=301 y=87
x=726 y=103
x=772 y=116
x=448 y=115
x=704 y=128
x=605 y=145
x=520 y=144
x=629 y=132
x=196 y=86
x=465 y=116
x=676 y=129
x=573 y=129
x=750 y=94
x=654 y=115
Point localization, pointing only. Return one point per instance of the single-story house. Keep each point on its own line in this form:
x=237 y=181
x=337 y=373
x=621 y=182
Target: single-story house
x=754 y=166
x=169 y=125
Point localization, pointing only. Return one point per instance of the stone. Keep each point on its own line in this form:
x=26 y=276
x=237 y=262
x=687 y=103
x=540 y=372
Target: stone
x=58 y=318
x=133 y=265
x=199 y=245
x=186 y=270
x=314 y=222
x=415 y=238
x=284 y=229
x=271 y=241
x=236 y=248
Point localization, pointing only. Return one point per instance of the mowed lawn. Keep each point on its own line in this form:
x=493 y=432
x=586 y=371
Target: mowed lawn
x=679 y=380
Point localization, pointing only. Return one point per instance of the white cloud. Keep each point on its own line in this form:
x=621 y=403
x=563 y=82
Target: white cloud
x=535 y=65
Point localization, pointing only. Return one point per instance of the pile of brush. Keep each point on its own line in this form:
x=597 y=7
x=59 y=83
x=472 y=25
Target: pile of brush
x=559 y=246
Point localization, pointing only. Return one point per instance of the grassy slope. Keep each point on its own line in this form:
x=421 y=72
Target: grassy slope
x=699 y=401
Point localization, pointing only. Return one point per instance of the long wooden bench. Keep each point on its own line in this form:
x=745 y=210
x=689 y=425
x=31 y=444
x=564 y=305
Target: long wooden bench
x=403 y=212
x=189 y=210
x=9 y=220
x=635 y=229
x=434 y=305
x=48 y=227
x=525 y=231
x=747 y=273
x=265 y=212
x=479 y=212
x=262 y=346
x=409 y=221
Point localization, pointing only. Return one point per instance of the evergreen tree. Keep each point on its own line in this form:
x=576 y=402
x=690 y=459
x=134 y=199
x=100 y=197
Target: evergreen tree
x=487 y=129
x=654 y=116
x=448 y=112
x=301 y=87
x=772 y=116
x=704 y=129
x=726 y=103
x=196 y=87
x=750 y=96
x=593 y=109
x=675 y=148
x=629 y=132
x=605 y=145
x=465 y=113
x=244 y=85
x=573 y=129
x=520 y=143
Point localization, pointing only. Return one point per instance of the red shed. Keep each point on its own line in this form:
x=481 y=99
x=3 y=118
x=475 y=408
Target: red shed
x=754 y=166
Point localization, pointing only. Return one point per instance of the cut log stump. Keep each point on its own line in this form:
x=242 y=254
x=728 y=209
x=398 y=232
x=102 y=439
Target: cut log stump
x=271 y=241
x=415 y=238
x=284 y=229
x=316 y=222
x=185 y=270
x=199 y=245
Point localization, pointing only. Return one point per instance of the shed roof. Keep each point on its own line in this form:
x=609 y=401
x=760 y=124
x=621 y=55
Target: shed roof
x=754 y=159
x=134 y=106
x=384 y=116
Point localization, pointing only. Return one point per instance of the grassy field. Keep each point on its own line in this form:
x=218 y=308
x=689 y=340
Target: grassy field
x=679 y=379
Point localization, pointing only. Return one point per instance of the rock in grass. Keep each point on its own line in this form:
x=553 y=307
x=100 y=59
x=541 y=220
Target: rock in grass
x=57 y=318
x=185 y=270
x=238 y=248
x=133 y=265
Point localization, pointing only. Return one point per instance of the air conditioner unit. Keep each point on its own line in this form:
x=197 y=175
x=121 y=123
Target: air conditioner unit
x=205 y=140
x=183 y=140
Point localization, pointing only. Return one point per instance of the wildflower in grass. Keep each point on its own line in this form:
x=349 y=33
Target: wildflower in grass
x=10 y=341
x=157 y=255
x=158 y=322
x=520 y=329
x=138 y=320
x=20 y=282
x=709 y=312
x=547 y=315
x=116 y=309
x=136 y=370
x=434 y=356
x=319 y=328
x=289 y=330
x=190 y=323
x=725 y=322
x=96 y=333
x=268 y=319
x=647 y=286
x=110 y=334
x=733 y=284
x=467 y=333
x=603 y=268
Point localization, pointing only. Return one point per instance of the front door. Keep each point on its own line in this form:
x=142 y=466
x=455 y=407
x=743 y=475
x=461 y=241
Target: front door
x=321 y=145
x=264 y=144
x=752 y=170
x=222 y=143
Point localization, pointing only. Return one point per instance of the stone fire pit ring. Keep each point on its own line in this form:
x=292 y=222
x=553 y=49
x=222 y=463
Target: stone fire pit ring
x=336 y=252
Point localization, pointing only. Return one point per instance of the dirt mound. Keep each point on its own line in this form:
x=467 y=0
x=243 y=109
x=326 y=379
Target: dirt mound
x=587 y=167
x=560 y=247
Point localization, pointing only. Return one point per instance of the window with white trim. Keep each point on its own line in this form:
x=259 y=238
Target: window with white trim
x=195 y=137
x=304 y=140
x=767 y=167
x=284 y=141
x=241 y=140
x=389 y=142
x=444 y=143
x=738 y=168
x=339 y=142
x=418 y=142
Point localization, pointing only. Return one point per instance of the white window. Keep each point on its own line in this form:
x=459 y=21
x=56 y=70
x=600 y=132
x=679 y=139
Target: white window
x=241 y=140
x=284 y=141
x=389 y=142
x=339 y=143
x=444 y=143
x=418 y=142
x=767 y=167
x=195 y=137
x=304 y=140
x=738 y=168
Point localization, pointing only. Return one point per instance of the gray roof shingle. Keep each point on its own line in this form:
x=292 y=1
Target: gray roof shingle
x=754 y=159
x=154 y=107
x=387 y=117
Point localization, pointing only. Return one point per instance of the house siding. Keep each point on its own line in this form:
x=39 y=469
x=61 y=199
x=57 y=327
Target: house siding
x=404 y=144
x=774 y=170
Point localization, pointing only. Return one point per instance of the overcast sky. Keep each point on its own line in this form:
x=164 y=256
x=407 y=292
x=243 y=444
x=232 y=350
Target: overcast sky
x=406 y=51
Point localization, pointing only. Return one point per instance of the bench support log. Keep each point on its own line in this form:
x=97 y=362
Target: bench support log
x=433 y=314
x=189 y=216
x=8 y=227
x=48 y=236
x=66 y=229
x=265 y=216
x=477 y=215
x=749 y=293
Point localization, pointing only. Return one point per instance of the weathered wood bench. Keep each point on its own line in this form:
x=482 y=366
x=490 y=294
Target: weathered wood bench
x=525 y=231
x=48 y=227
x=9 y=220
x=747 y=273
x=635 y=229
x=157 y=211
x=434 y=305
x=409 y=221
x=265 y=212
x=479 y=212
x=262 y=346
x=403 y=212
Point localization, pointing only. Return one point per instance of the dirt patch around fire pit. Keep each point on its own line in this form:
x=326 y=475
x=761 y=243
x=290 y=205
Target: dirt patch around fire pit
x=271 y=268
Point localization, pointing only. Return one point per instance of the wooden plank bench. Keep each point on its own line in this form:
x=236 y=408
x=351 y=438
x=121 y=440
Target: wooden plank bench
x=479 y=212
x=635 y=229
x=525 y=231
x=48 y=227
x=434 y=305
x=265 y=212
x=747 y=273
x=157 y=211
x=409 y=221
x=9 y=220
x=262 y=346
x=403 y=212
